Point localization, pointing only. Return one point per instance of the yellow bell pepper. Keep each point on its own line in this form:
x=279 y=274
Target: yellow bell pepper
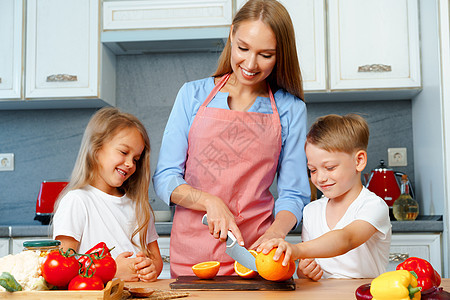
x=395 y=285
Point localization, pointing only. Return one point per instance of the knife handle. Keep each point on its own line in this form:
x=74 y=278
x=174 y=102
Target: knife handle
x=231 y=240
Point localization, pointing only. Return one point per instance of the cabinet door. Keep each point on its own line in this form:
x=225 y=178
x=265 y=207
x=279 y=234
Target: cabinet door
x=308 y=17
x=373 y=44
x=11 y=24
x=425 y=246
x=164 y=248
x=62 y=48
x=4 y=245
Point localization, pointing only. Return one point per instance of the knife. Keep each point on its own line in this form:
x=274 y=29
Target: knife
x=236 y=251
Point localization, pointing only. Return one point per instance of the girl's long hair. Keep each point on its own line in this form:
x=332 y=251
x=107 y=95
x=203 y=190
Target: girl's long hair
x=102 y=127
x=286 y=74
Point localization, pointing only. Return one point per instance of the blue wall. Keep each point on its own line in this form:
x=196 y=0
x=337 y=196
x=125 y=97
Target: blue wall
x=46 y=142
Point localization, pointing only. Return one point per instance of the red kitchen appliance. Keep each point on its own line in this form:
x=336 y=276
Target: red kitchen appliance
x=48 y=194
x=383 y=182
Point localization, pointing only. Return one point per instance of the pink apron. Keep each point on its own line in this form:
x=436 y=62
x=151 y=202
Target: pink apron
x=233 y=155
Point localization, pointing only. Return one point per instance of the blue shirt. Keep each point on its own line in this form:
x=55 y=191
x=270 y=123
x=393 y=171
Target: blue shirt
x=292 y=179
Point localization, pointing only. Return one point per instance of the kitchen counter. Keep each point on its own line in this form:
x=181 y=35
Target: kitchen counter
x=422 y=224
x=325 y=289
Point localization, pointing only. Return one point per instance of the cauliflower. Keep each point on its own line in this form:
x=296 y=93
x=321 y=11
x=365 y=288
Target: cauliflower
x=26 y=269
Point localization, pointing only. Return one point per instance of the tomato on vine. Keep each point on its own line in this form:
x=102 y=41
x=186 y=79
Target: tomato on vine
x=81 y=282
x=60 y=267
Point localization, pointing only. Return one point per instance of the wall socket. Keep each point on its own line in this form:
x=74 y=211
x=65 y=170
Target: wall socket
x=397 y=157
x=6 y=162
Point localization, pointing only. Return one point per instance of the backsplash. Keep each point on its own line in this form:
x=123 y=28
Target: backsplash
x=46 y=142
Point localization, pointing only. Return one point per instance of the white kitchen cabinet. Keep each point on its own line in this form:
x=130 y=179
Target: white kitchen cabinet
x=65 y=64
x=164 y=249
x=425 y=246
x=373 y=44
x=11 y=24
x=4 y=246
x=63 y=51
x=134 y=27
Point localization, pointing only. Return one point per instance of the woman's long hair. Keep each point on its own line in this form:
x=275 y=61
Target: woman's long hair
x=102 y=127
x=286 y=74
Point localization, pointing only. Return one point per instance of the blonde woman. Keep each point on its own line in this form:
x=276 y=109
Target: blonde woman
x=106 y=199
x=229 y=135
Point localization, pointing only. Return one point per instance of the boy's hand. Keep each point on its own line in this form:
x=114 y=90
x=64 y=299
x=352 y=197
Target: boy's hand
x=309 y=268
x=290 y=250
x=145 y=268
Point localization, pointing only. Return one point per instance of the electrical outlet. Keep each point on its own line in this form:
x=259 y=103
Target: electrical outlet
x=6 y=162
x=397 y=157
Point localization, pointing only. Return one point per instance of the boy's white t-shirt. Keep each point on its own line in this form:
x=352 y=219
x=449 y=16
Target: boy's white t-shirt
x=369 y=259
x=91 y=216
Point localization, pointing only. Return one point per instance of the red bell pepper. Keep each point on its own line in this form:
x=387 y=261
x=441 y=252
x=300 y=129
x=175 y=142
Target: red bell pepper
x=427 y=276
x=101 y=249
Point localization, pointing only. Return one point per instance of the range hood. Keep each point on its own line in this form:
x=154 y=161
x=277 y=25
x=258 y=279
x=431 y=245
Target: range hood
x=123 y=42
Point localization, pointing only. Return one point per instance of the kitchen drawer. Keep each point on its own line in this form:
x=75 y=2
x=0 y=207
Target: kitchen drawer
x=4 y=246
x=425 y=246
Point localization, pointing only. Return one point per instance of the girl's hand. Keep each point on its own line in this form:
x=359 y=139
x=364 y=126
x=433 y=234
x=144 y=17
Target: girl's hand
x=290 y=251
x=268 y=235
x=309 y=268
x=220 y=220
x=126 y=267
x=145 y=268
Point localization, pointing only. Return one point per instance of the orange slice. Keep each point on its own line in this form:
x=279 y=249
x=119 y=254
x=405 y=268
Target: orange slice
x=206 y=270
x=243 y=271
x=270 y=269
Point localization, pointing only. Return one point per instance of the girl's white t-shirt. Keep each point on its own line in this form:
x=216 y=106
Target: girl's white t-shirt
x=369 y=259
x=91 y=216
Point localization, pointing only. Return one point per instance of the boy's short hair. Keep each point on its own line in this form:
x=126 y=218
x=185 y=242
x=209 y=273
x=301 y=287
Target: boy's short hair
x=347 y=133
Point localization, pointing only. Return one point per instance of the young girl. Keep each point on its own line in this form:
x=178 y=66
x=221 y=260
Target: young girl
x=106 y=199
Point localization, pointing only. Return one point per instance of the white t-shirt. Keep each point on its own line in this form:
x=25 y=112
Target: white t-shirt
x=369 y=259
x=91 y=216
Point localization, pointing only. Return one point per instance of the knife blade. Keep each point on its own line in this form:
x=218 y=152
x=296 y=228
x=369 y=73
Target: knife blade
x=236 y=251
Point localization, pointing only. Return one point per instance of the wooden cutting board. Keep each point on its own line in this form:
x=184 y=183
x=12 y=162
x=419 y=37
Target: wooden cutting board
x=229 y=283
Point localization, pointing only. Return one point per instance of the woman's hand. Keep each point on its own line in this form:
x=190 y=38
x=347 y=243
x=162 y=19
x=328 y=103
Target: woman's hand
x=220 y=220
x=145 y=268
x=126 y=269
x=309 y=268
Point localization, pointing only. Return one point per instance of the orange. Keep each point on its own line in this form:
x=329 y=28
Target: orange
x=270 y=269
x=290 y=272
x=206 y=270
x=243 y=271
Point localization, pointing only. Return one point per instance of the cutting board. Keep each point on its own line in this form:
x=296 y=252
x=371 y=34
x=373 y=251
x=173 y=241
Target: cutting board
x=229 y=283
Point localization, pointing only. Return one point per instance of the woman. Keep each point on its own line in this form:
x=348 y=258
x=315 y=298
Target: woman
x=227 y=137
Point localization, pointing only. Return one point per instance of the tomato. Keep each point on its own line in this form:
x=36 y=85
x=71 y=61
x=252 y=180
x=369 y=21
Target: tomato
x=59 y=268
x=81 y=282
x=104 y=267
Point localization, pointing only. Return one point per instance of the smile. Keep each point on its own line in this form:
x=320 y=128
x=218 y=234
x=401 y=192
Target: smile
x=248 y=73
x=123 y=173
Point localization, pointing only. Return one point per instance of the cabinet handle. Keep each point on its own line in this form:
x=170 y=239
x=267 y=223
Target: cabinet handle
x=61 y=78
x=375 y=68
x=398 y=256
x=165 y=258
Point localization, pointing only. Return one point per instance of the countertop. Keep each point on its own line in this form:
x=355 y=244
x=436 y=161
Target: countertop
x=324 y=289
x=422 y=224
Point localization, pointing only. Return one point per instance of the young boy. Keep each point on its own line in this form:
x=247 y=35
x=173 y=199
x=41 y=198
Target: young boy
x=348 y=230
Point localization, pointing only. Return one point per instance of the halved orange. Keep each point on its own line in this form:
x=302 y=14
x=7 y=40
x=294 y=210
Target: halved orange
x=243 y=271
x=270 y=269
x=207 y=269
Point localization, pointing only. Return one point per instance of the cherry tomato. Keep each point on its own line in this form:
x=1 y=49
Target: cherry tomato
x=104 y=267
x=59 y=268
x=86 y=283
